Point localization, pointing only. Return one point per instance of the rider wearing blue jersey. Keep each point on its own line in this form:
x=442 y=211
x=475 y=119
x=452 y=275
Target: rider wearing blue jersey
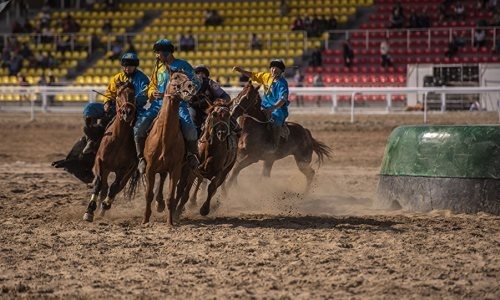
x=97 y=115
x=275 y=101
x=165 y=62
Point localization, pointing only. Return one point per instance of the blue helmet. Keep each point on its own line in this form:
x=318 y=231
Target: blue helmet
x=130 y=59
x=163 y=45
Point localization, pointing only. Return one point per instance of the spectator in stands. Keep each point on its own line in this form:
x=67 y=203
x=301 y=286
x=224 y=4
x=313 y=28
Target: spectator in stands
x=479 y=37
x=492 y=5
x=396 y=21
x=191 y=42
x=331 y=22
x=99 y=115
x=212 y=18
x=384 y=53
x=63 y=43
x=130 y=46
x=348 y=53
x=111 y=5
x=165 y=61
x=459 y=11
x=317 y=81
x=423 y=19
x=397 y=18
x=495 y=20
x=255 y=42
x=316 y=58
x=298 y=81
x=284 y=8
x=15 y=64
x=445 y=13
x=116 y=50
x=95 y=43
x=298 y=23
x=183 y=43
x=413 y=19
x=275 y=99
x=107 y=26
x=24 y=95
x=452 y=49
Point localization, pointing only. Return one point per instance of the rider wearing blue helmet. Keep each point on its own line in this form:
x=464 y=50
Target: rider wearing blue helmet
x=165 y=60
x=97 y=115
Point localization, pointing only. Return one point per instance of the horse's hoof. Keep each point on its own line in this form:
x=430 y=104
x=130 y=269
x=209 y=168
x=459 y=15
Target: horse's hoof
x=106 y=206
x=204 y=210
x=88 y=217
x=160 y=206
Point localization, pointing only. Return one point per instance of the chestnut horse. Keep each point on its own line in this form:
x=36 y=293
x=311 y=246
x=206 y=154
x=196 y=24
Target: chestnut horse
x=116 y=153
x=217 y=148
x=165 y=150
x=255 y=143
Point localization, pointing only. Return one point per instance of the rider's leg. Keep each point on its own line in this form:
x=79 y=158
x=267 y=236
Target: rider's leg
x=276 y=135
x=143 y=123
x=190 y=135
x=92 y=112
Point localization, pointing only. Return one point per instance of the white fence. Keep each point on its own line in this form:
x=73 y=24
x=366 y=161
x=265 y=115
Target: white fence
x=489 y=97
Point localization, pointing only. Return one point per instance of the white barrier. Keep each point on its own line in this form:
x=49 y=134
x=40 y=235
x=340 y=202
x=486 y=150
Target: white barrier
x=493 y=93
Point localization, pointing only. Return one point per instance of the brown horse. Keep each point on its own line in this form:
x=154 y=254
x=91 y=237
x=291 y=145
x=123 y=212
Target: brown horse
x=116 y=153
x=255 y=142
x=217 y=148
x=164 y=151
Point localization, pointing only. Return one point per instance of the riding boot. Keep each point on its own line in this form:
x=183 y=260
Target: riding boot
x=91 y=144
x=139 y=148
x=192 y=154
x=276 y=134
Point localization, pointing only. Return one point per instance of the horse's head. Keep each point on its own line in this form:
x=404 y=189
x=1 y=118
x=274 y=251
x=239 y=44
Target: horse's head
x=125 y=101
x=246 y=100
x=217 y=123
x=181 y=86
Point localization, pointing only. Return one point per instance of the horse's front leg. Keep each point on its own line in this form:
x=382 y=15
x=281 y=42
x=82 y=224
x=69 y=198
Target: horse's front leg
x=160 y=202
x=92 y=206
x=212 y=188
x=150 y=181
x=121 y=178
x=172 y=200
x=187 y=184
x=238 y=166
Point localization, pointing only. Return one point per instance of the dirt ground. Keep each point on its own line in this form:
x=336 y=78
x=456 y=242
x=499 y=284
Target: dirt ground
x=265 y=241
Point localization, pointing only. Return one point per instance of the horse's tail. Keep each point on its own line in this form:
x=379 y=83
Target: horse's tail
x=321 y=149
x=133 y=182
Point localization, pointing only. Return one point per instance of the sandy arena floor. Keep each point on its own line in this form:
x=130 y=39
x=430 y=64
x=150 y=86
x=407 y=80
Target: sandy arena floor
x=266 y=241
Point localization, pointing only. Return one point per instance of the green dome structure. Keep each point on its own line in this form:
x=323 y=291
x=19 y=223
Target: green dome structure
x=442 y=167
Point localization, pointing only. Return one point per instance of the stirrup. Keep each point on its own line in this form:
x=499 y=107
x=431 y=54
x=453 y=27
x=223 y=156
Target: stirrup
x=142 y=165
x=89 y=147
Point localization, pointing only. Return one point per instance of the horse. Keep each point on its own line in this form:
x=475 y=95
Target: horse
x=116 y=153
x=255 y=143
x=164 y=150
x=217 y=148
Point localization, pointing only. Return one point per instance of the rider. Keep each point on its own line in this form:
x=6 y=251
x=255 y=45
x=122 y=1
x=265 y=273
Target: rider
x=275 y=101
x=98 y=115
x=210 y=90
x=166 y=61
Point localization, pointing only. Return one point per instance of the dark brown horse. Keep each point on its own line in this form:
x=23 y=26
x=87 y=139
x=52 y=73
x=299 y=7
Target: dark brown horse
x=217 y=148
x=116 y=153
x=255 y=143
x=164 y=151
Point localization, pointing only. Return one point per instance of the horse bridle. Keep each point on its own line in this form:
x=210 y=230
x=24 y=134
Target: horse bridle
x=180 y=89
x=123 y=106
x=244 y=109
x=221 y=134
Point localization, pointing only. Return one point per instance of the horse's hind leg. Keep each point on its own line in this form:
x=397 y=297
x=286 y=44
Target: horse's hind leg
x=150 y=181
x=239 y=165
x=92 y=206
x=307 y=170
